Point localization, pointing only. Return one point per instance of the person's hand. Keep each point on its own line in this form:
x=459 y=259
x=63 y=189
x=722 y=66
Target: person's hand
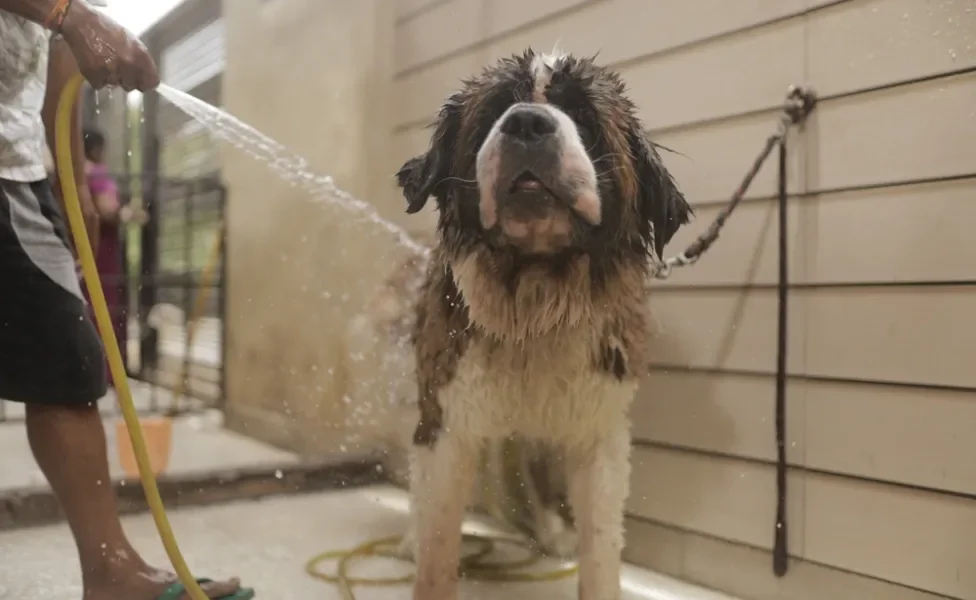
x=106 y=53
x=134 y=215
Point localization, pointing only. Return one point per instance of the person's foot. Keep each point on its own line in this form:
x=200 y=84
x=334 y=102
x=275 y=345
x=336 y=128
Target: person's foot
x=148 y=583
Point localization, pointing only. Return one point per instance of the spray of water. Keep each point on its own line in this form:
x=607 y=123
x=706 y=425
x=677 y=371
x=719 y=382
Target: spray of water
x=290 y=167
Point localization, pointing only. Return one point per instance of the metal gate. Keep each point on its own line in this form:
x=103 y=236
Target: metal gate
x=179 y=289
x=170 y=296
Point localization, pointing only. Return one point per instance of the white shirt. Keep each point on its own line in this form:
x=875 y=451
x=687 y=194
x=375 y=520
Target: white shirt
x=24 y=51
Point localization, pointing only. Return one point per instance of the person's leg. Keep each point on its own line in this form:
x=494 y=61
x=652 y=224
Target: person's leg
x=69 y=446
x=51 y=359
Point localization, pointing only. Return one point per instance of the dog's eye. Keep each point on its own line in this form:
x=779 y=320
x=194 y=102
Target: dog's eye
x=586 y=126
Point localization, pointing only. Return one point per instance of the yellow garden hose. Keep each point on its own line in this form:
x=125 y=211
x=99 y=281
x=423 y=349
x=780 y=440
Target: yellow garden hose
x=473 y=565
x=76 y=222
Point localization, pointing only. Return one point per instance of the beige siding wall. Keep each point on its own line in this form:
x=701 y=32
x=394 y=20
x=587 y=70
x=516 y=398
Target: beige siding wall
x=882 y=411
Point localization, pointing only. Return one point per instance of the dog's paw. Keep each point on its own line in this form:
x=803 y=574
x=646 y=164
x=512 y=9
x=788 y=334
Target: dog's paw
x=555 y=537
x=561 y=545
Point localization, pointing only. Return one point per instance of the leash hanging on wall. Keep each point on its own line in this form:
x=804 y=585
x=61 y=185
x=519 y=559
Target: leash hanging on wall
x=800 y=102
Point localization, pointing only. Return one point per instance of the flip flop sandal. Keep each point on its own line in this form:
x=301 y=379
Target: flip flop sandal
x=176 y=590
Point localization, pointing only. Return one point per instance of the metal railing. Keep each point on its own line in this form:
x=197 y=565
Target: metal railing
x=163 y=262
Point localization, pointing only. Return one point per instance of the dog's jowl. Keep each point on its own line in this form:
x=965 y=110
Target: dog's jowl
x=531 y=320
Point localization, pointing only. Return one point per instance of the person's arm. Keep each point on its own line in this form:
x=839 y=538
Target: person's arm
x=61 y=68
x=106 y=53
x=105 y=196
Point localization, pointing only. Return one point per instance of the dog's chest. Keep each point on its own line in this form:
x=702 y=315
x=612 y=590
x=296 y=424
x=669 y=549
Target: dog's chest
x=548 y=388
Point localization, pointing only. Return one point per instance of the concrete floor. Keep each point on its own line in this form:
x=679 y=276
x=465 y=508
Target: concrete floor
x=268 y=542
x=200 y=445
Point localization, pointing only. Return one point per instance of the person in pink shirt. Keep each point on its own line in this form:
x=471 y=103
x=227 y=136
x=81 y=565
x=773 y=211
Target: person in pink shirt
x=112 y=216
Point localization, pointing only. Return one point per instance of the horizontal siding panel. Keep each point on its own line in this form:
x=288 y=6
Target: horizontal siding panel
x=869 y=43
x=919 y=131
x=849 y=142
x=643 y=27
x=908 y=435
x=882 y=432
x=914 y=538
x=504 y=16
x=459 y=25
x=673 y=23
x=915 y=234
x=921 y=335
x=406 y=9
x=743 y=73
x=901 y=334
x=440 y=30
x=710 y=160
x=731 y=499
x=723 y=329
x=721 y=413
x=910 y=233
x=420 y=94
x=908 y=536
x=746 y=572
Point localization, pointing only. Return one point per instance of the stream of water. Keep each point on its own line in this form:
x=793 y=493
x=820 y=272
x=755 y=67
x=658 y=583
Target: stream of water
x=290 y=167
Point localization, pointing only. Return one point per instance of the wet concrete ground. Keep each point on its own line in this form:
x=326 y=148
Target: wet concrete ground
x=267 y=543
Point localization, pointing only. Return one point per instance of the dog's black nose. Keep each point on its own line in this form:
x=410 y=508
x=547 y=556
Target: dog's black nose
x=529 y=123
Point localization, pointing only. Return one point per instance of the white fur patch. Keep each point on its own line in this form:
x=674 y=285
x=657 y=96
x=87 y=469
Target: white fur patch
x=576 y=165
x=542 y=388
x=542 y=67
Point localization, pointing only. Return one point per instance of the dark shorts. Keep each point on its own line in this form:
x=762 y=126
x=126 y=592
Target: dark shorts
x=50 y=352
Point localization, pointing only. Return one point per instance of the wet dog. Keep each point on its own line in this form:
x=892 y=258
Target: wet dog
x=529 y=316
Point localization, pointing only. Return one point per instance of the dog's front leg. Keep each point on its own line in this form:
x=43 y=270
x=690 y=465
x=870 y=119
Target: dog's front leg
x=441 y=484
x=599 y=484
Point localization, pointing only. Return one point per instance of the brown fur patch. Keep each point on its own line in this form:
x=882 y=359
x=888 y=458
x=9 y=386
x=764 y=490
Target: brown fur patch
x=535 y=301
x=624 y=345
x=617 y=121
x=441 y=336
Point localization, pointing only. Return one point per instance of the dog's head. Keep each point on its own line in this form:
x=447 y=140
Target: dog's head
x=541 y=160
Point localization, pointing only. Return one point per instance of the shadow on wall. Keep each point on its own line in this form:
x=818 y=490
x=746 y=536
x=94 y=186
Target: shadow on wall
x=679 y=413
x=669 y=404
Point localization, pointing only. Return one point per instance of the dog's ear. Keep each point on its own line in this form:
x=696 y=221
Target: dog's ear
x=423 y=176
x=661 y=204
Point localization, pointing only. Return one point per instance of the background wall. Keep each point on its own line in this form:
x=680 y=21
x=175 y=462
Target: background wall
x=297 y=268
x=882 y=414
